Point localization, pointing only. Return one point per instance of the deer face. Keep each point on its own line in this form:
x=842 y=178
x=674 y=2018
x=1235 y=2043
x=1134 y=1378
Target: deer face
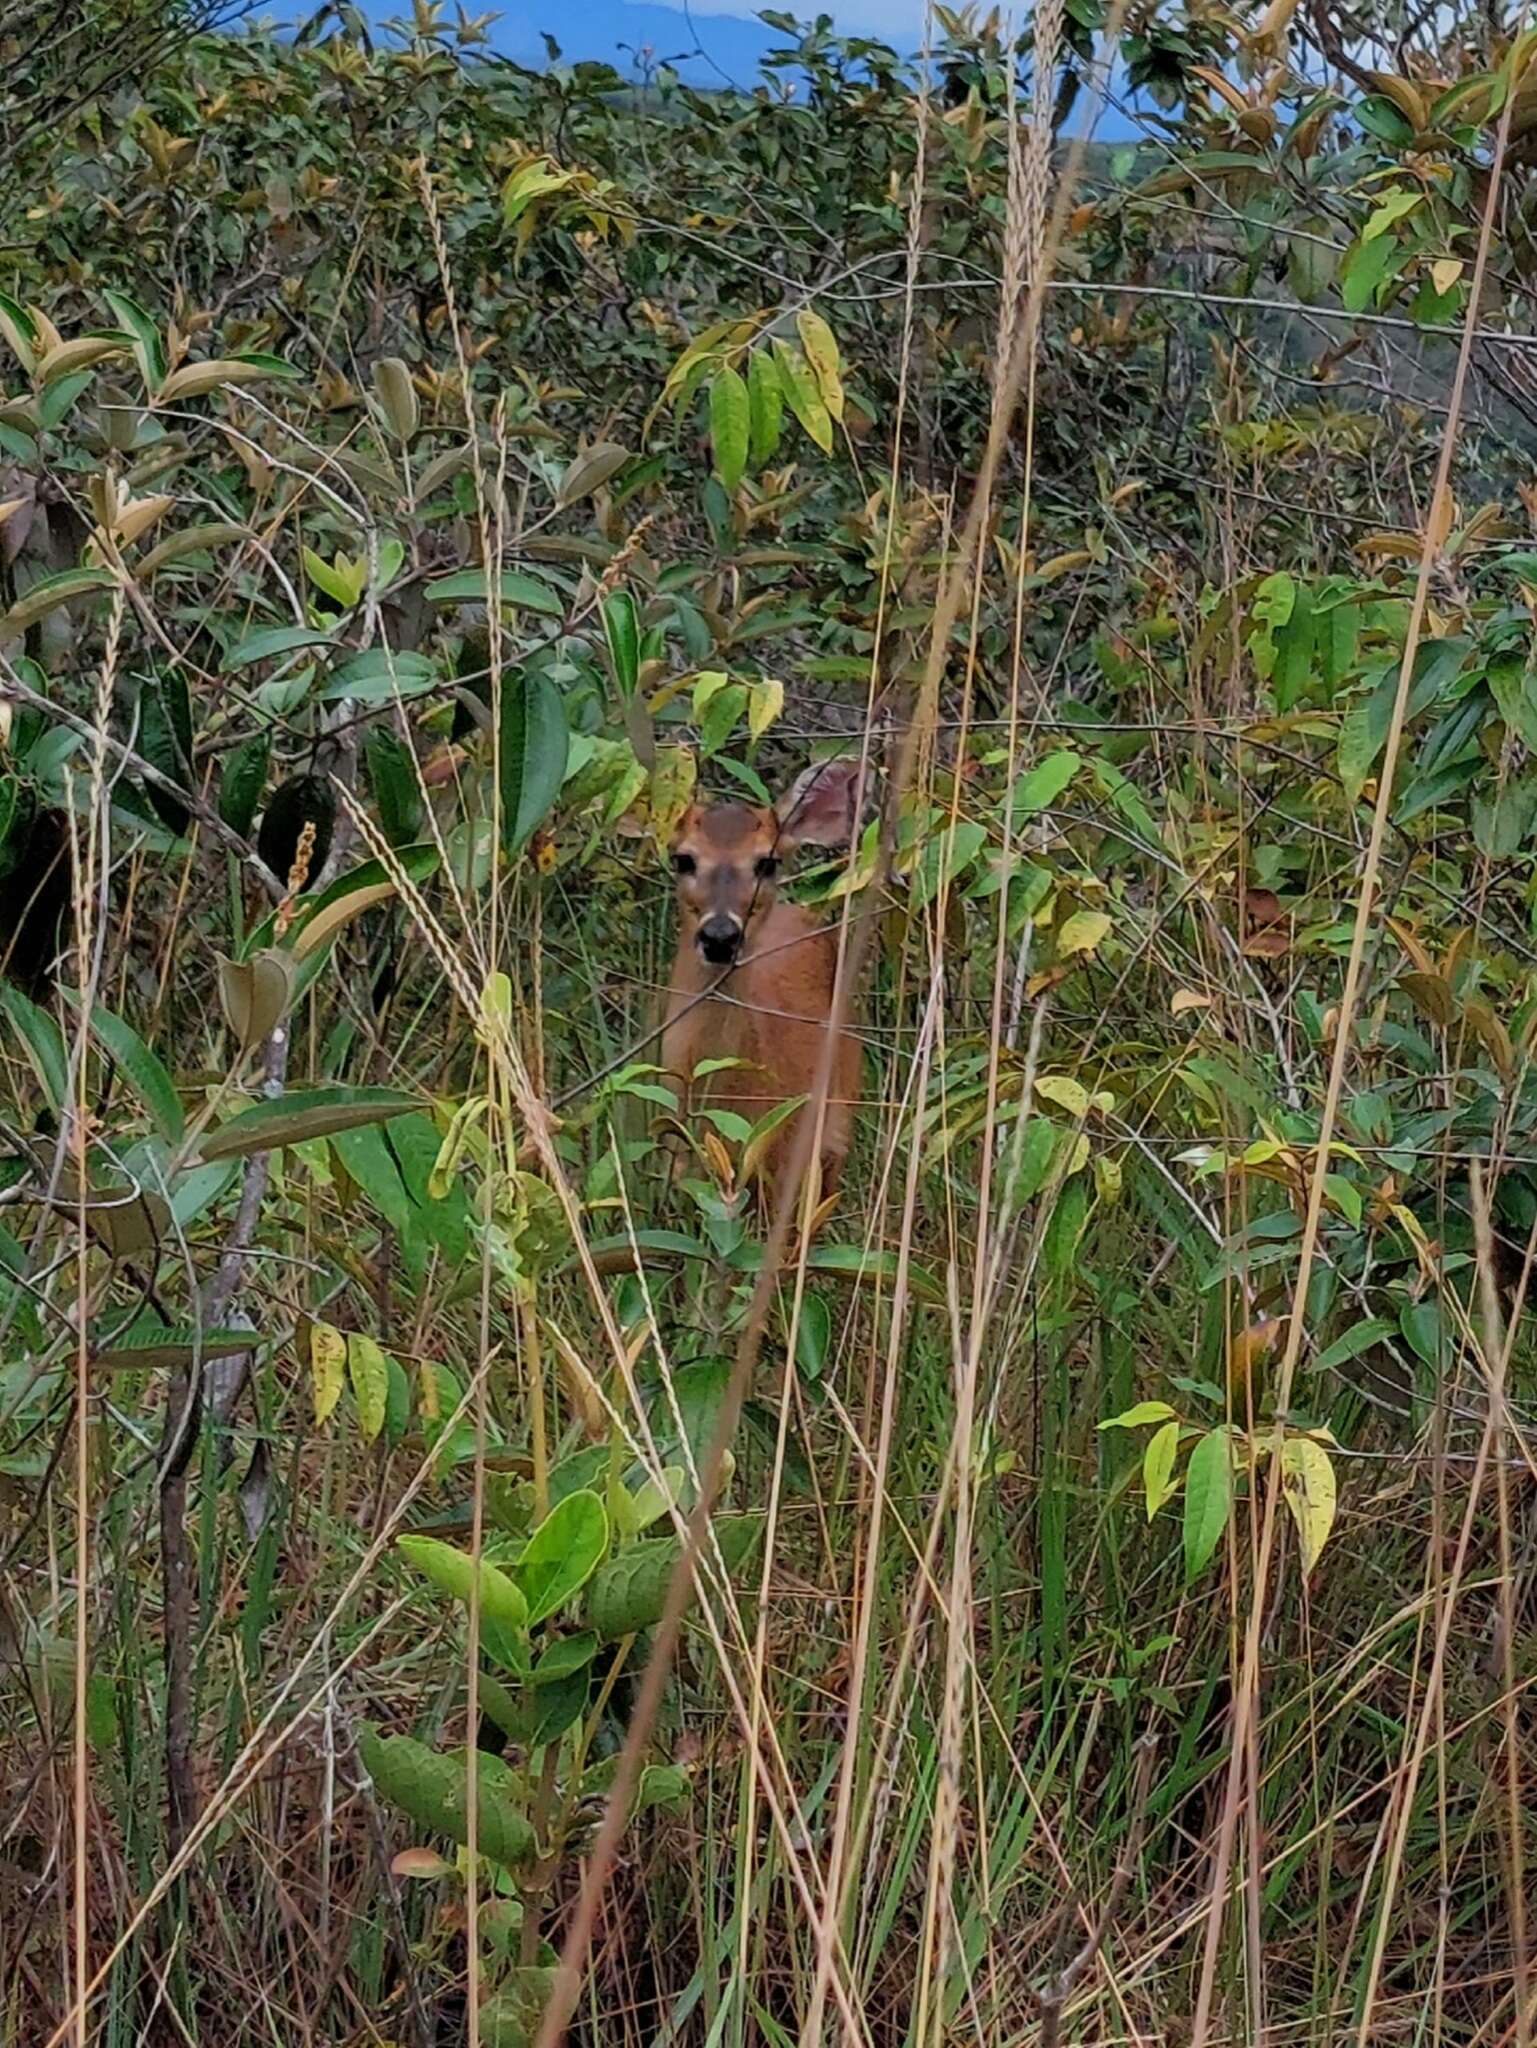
x=727 y=857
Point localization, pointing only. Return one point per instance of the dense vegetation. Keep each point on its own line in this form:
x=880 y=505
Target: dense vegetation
x=1079 y=1584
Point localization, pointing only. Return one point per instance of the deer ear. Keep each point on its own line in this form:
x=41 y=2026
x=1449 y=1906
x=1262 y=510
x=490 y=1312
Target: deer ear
x=818 y=807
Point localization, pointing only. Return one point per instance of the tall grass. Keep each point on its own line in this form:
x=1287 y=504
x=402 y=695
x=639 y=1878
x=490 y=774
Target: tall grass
x=969 y=1760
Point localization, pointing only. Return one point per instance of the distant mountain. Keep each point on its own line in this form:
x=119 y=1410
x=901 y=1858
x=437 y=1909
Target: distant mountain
x=704 y=48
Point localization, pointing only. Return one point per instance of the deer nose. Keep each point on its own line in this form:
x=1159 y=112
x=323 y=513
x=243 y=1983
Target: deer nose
x=719 y=938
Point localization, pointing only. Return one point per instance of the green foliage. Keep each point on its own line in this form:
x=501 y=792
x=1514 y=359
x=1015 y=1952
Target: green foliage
x=398 y=449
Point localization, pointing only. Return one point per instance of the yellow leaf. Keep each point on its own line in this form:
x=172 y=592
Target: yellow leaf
x=1307 y=1483
x=1063 y=565
x=368 y=1369
x=1496 y=1039
x=1444 y=275
x=328 y=1367
x=1275 y=20
x=1403 y=546
x=135 y=519
x=765 y=702
x=1431 y=994
x=1404 y=96
x=1064 y=1091
x=1082 y=932
x=1158 y=1466
x=193 y=380
x=821 y=346
x=1406 y=937
x=673 y=780
x=1220 y=85
x=1442 y=511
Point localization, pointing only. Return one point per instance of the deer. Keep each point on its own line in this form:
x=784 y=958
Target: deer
x=752 y=978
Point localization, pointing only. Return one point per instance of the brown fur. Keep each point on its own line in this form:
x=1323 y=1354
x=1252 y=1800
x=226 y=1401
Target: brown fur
x=769 y=1008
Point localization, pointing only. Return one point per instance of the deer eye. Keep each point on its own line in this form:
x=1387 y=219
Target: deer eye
x=766 y=866
x=685 y=863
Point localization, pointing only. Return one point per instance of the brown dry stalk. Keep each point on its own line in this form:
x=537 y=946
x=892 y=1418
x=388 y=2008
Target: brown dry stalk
x=854 y=941
x=1245 y=1702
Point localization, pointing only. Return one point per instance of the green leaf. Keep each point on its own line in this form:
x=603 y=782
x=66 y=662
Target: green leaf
x=513 y=586
x=148 y=349
x=687 y=1413
x=433 y=1790
x=730 y=418
x=165 y=741
x=1029 y=1162
x=565 y=1656
x=54 y=404
x=150 y=1342
x=393 y=779
x=720 y=718
x=48 y=593
x=1133 y=1418
x=1158 y=1466
x=1364 y=1335
x=417 y=862
x=947 y=855
x=1502 y=825
x=629 y=1593
x=532 y=760
x=802 y=394
x=872 y=1266
x=664 y=1785
x=20 y=330
x=1367 y=267
x=1424 y=1330
x=379 y=675
x=531 y=180
x=1045 y=782
x=1363 y=732
x=1394 y=207
x=813 y=1337
x=621 y=627
x=303 y=1113
x=1059 y=1247
x=272 y=641
x=144 y=1071
x=765 y=408
x=1208 y=1497
x=369 y=1372
x=562 y=1554
x=1381 y=119
x=41 y=1040
x=242 y=783
x=453 y=1571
